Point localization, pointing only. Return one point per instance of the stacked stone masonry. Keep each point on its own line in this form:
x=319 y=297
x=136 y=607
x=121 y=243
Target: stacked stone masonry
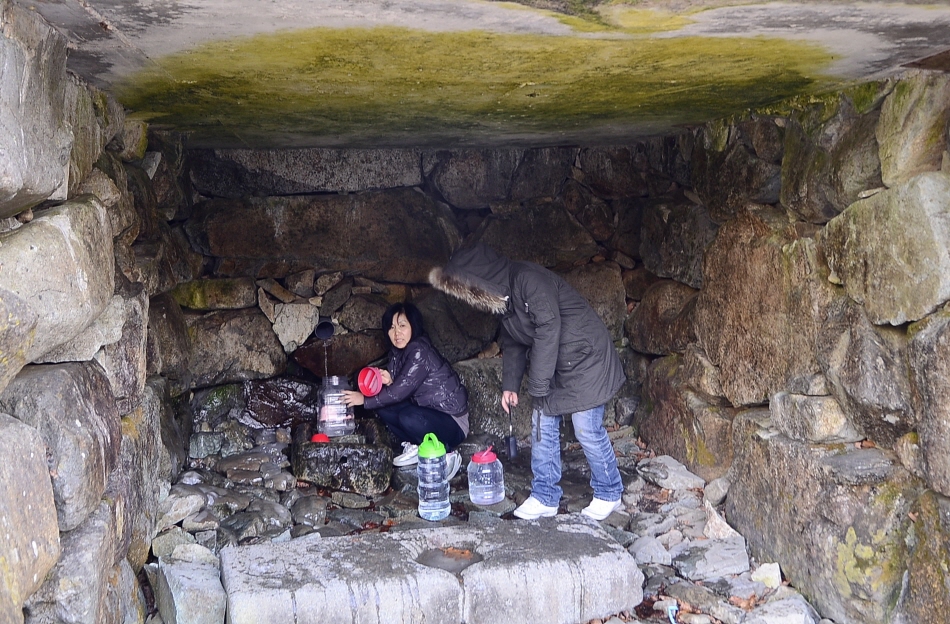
x=778 y=294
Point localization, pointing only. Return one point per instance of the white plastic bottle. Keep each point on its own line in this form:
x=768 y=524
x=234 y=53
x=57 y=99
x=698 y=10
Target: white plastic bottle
x=486 y=478
x=433 y=486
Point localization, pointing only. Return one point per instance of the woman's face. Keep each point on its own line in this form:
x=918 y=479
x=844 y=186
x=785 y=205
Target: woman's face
x=400 y=332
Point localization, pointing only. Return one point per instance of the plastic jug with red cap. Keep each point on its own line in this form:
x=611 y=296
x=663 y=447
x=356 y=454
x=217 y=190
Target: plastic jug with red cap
x=486 y=478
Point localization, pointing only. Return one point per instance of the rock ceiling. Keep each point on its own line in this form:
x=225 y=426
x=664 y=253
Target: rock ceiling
x=375 y=73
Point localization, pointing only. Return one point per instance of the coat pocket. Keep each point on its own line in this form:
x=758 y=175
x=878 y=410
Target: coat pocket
x=570 y=354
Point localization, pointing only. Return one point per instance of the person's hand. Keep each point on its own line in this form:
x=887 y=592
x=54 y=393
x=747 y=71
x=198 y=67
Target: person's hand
x=385 y=376
x=509 y=399
x=352 y=397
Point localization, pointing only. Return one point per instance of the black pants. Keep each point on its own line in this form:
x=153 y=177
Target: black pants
x=408 y=422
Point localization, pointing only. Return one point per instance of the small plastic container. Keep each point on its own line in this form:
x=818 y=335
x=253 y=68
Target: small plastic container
x=336 y=417
x=486 y=478
x=433 y=486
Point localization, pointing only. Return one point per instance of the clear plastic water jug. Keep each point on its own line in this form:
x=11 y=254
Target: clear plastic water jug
x=433 y=486
x=336 y=417
x=486 y=478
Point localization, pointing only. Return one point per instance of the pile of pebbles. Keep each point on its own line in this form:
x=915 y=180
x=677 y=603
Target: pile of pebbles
x=697 y=568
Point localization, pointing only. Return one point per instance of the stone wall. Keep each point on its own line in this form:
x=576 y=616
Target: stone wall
x=776 y=285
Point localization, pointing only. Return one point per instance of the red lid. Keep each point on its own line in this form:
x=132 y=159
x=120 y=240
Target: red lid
x=484 y=457
x=319 y=437
x=370 y=381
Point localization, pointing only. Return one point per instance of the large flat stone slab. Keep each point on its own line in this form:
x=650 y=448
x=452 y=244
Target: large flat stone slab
x=565 y=569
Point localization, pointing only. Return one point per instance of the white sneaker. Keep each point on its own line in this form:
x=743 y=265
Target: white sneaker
x=409 y=456
x=533 y=509
x=453 y=461
x=600 y=509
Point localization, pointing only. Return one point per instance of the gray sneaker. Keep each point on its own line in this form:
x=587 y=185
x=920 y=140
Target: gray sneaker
x=409 y=456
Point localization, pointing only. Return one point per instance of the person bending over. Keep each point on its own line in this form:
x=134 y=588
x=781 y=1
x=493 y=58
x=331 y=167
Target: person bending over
x=551 y=332
x=421 y=391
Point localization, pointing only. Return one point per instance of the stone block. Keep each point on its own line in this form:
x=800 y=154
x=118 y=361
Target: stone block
x=817 y=419
x=188 y=587
x=674 y=239
x=61 y=265
x=88 y=135
x=73 y=408
x=29 y=535
x=908 y=222
x=233 y=345
x=601 y=285
x=395 y=235
x=835 y=518
x=76 y=590
x=238 y=173
x=663 y=321
x=294 y=323
x=17 y=329
x=217 y=294
x=930 y=366
x=912 y=130
x=472 y=179
x=558 y=570
x=360 y=468
x=33 y=130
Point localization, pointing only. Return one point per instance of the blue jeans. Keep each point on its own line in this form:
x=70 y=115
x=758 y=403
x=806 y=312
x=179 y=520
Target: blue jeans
x=408 y=422
x=546 y=456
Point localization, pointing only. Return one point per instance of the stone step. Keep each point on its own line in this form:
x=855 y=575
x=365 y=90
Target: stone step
x=565 y=569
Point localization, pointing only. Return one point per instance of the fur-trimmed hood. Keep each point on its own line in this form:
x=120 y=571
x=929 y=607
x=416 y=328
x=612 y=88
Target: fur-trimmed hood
x=478 y=276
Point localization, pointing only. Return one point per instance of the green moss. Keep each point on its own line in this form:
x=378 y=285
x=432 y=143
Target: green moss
x=393 y=84
x=866 y=96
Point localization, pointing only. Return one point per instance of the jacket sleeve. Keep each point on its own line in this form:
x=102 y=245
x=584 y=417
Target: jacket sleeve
x=406 y=380
x=513 y=362
x=541 y=303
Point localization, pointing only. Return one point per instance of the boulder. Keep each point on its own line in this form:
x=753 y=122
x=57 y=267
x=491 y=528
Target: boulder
x=637 y=280
x=472 y=179
x=226 y=293
x=362 y=312
x=233 y=345
x=76 y=590
x=482 y=379
x=396 y=235
x=908 y=222
x=33 y=129
x=118 y=202
x=831 y=157
x=236 y=173
x=29 y=539
x=72 y=406
x=124 y=600
x=758 y=313
x=663 y=321
x=512 y=229
x=601 y=285
x=674 y=237
x=838 y=510
x=868 y=371
x=61 y=265
x=88 y=135
x=675 y=420
x=626 y=235
x=163 y=263
x=131 y=141
x=912 y=130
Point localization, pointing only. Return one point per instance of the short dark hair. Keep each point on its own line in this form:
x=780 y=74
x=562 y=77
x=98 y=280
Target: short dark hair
x=412 y=314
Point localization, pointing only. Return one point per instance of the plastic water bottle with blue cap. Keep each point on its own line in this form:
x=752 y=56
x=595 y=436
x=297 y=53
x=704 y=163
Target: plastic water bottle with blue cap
x=433 y=486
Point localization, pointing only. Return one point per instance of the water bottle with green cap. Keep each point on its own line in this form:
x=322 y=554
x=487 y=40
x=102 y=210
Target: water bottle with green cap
x=433 y=486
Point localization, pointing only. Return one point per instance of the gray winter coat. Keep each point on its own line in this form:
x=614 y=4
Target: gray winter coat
x=548 y=329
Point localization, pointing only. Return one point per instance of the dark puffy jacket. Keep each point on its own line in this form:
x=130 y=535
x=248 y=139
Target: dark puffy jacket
x=422 y=375
x=548 y=329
